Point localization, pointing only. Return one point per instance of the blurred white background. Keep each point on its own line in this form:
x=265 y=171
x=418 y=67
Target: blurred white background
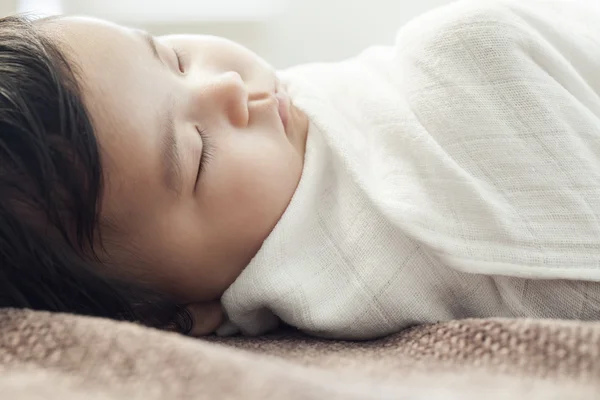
x=285 y=32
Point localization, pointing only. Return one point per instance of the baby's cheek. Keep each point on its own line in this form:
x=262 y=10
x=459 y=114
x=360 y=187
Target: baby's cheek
x=266 y=191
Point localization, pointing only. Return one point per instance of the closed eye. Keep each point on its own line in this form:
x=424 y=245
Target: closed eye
x=205 y=156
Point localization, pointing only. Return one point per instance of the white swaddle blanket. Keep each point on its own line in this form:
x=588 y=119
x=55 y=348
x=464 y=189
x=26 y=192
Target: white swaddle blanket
x=440 y=174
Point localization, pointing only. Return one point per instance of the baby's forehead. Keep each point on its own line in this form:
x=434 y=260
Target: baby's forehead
x=93 y=46
x=97 y=52
x=64 y=27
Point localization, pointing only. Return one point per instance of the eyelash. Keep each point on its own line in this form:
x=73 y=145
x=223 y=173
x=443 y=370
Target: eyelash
x=180 y=56
x=205 y=156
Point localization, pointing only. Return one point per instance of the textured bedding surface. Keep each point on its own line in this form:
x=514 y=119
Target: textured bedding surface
x=56 y=356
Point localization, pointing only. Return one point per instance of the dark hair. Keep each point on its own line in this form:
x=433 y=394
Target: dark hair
x=50 y=186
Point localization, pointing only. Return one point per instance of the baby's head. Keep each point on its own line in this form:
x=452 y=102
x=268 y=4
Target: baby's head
x=137 y=174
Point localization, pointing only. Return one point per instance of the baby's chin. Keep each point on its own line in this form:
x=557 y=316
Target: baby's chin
x=299 y=123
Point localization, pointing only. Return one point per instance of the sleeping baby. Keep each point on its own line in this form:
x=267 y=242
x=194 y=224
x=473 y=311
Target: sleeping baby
x=181 y=182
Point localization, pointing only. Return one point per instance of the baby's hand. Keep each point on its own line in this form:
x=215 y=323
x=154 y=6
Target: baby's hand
x=206 y=318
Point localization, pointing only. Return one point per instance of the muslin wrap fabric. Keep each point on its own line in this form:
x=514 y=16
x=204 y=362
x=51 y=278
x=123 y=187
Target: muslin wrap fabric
x=453 y=174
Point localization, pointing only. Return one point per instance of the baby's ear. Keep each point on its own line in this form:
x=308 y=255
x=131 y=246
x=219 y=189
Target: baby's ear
x=206 y=317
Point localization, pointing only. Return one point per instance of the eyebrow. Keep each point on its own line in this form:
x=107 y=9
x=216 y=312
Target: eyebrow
x=171 y=156
x=151 y=43
x=172 y=171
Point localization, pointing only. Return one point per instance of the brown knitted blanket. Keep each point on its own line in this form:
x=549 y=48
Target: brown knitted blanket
x=53 y=356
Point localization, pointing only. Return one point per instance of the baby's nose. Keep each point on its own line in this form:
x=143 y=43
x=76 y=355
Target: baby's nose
x=226 y=93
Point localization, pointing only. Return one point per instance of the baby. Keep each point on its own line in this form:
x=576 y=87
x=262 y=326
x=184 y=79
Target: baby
x=181 y=182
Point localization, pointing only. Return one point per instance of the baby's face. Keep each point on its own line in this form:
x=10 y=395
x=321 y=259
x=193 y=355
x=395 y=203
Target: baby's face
x=201 y=151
